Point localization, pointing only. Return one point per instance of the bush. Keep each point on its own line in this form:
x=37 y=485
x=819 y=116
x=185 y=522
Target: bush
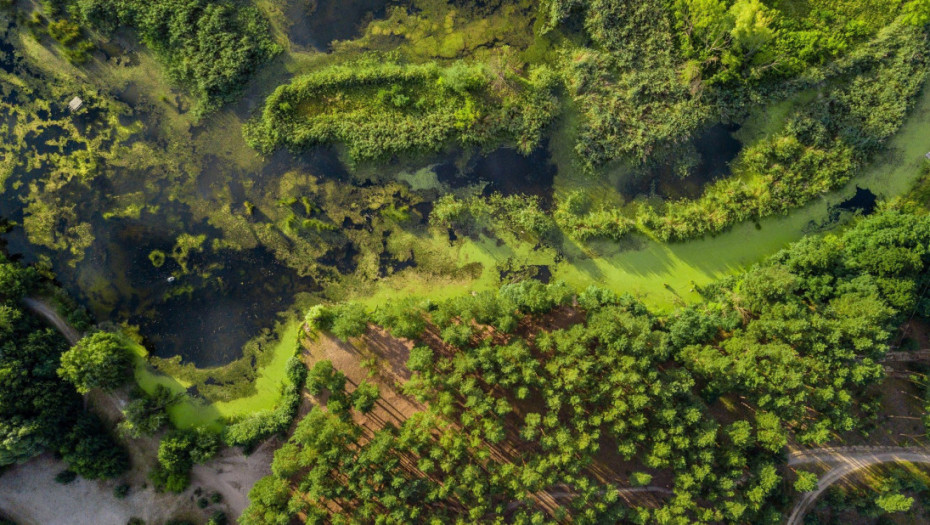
x=640 y=479
x=402 y=318
x=147 y=414
x=65 y=476
x=165 y=480
x=91 y=452
x=248 y=432
x=806 y=482
x=178 y=451
x=351 y=320
x=121 y=491
x=69 y=35
x=534 y=297
x=365 y=396
x=320 y=317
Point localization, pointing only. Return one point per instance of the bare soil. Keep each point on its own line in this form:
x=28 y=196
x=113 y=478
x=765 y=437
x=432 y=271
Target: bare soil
x=390 y=357
x=30 y=495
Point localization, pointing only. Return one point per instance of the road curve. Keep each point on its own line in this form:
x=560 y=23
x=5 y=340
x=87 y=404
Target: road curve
x=845 y=461
x=47 y=312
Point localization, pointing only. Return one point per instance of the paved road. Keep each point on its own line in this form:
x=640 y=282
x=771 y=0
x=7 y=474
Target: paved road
x=843 y=462
x=47 y=312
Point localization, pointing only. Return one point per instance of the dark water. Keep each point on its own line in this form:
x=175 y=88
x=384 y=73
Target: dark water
x=316 y=23
x=862 y=202
x=506 y=171
x=206 y=316
x=8 y=60
x=211 y=325
x=704 y=159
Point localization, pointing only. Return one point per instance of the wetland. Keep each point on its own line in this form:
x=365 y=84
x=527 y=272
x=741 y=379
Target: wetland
x=159 y=217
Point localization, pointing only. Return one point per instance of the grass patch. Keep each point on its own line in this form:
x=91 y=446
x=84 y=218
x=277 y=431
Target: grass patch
x=193 y=412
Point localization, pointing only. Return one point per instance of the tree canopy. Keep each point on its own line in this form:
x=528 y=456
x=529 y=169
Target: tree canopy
x=99 y=360
x=796 y=340
x=38 y=410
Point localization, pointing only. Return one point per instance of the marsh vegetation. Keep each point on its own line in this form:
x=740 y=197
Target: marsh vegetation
x=233 y=165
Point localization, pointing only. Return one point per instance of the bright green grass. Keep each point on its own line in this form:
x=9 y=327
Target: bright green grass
x=192 y=412
x=270 y=378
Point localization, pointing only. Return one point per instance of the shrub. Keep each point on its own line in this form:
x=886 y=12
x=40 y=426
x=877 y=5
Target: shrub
x=178 y=451
x=365 y=396
x=351 y=320
x=121 y=491
x=65 y=476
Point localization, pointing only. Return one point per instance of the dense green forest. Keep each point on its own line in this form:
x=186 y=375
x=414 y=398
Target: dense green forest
x=643 y=78
x=517 y=406
x=211 y=48
x=40 y=411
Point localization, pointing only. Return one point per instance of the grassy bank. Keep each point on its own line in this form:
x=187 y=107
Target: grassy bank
x=193 y=412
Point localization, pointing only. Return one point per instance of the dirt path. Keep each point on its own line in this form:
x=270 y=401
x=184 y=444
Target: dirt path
x=391 y=357
x=30 y=495
x=843 y=462
x=560 y=492
x=41 y=308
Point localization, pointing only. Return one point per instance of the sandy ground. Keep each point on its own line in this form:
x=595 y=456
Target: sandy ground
x=391 y=356
x=29 y=494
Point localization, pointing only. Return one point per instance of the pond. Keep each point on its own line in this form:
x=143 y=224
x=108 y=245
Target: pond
x=206 y=304
x=317 y=23
x=684 y=170
x=505 y=171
